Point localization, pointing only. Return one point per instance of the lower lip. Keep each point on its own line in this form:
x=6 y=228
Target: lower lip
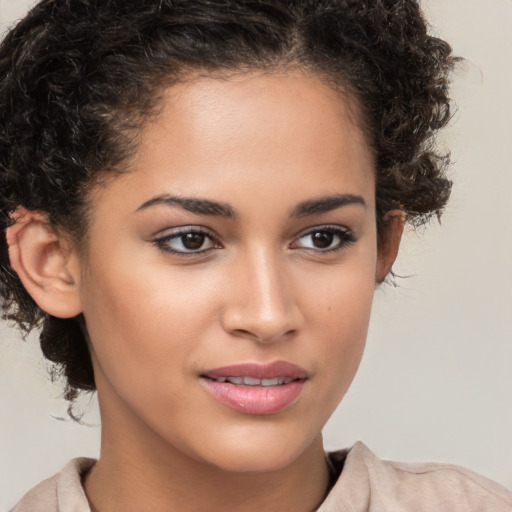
x=257 y=400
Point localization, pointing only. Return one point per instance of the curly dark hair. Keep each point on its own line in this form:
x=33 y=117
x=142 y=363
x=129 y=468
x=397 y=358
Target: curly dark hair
x=78 y=79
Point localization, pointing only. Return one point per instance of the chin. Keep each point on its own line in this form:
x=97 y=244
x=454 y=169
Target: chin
x=249 y=462
x=259 y=452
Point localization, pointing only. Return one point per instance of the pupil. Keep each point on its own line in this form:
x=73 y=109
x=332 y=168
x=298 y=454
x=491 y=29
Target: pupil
x=193 y=240
x=322 y=240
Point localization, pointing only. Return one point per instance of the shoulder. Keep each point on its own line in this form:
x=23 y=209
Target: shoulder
x=62 y=492
x=368 y=483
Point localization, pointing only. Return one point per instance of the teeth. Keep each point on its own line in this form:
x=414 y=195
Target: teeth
x=252 y=381
x=235 y=380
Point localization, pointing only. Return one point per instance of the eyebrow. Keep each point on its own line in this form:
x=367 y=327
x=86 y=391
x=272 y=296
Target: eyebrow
x=207 y=207
x=326 y=204
x=192 y=204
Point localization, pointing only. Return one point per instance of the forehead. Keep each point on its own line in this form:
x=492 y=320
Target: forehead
x=271 y=133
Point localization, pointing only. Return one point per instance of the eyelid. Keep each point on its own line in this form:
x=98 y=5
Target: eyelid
x=164 y=236
x=184 y=229
x=346 y=234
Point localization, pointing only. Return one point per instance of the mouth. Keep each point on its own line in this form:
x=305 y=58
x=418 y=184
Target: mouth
x=252 y=381
x=254 y=388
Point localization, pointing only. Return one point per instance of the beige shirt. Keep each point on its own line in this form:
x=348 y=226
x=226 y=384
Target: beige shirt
x=366 y=484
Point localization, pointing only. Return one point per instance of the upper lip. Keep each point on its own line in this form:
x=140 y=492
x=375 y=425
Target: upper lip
x=259 y=371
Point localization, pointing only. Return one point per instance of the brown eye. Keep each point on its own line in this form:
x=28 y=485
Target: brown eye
x=193 y=241
x=322 y=240
x=325 y=239
x=188 y=241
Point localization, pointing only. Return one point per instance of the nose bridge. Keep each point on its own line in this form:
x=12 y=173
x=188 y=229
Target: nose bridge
x=264 y=306
x=269 y=285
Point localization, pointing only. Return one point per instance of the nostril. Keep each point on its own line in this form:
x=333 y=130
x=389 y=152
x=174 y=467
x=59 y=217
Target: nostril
x=261 y=322
x=244 y=332
x=260 y=336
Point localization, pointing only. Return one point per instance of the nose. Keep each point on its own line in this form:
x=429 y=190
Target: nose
x=261 y=303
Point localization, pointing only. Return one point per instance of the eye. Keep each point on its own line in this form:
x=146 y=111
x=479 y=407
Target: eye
x=325 y=239
x=187 y=241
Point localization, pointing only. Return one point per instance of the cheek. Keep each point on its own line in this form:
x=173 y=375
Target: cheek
x=339 y=313
x=338 y=298
x=145 y=324
x=149 y=330
x=345 y=323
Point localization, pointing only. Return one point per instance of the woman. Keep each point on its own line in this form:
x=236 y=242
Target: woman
x=198 y=201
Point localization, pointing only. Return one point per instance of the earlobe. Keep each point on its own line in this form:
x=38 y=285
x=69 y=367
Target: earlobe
x=45 y=264
x=388 y=248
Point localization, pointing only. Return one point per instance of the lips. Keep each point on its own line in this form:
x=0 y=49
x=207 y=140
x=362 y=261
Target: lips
x=252 y=381
x=255 y=388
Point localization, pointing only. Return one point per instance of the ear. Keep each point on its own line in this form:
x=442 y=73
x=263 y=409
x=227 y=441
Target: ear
x=44 y=261
x=388 y=247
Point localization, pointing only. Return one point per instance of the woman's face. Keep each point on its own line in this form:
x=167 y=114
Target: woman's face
x=228 y=278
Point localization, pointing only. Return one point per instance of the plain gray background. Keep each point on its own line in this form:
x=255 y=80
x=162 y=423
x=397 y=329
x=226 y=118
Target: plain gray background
x=436 y=379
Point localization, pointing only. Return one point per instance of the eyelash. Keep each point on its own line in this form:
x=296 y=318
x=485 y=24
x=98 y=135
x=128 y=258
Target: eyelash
x=345 y=235
x=163 y=242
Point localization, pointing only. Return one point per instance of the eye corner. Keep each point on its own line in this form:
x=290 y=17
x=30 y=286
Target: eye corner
x=187 y=241
x=331 y=238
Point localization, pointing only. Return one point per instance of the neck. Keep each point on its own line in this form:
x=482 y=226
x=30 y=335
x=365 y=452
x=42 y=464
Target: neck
x=138 y=470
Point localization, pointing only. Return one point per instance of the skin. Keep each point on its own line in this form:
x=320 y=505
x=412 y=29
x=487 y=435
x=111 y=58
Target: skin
x=258 y=290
